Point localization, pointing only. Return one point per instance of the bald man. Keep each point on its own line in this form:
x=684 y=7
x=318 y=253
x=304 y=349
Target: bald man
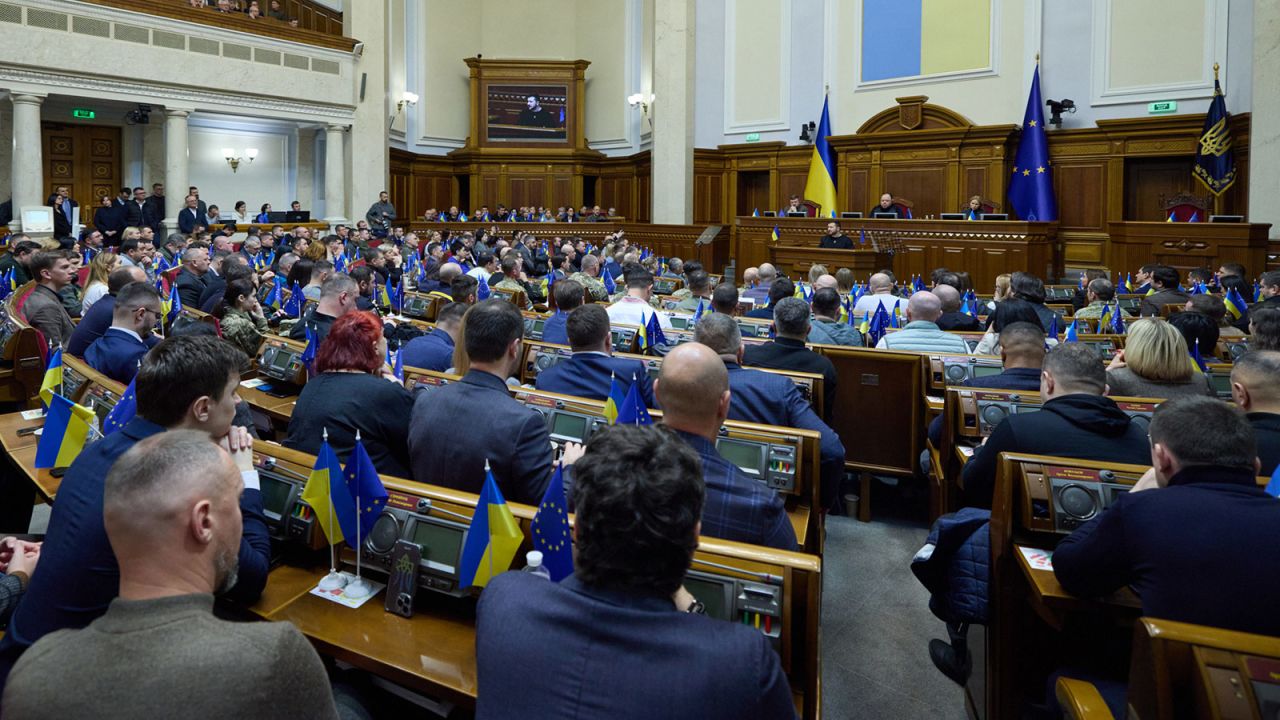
x=171 y=511
x=921 y=333
x=952 y=318
x=1255 y=388
x=750 y=277
x=758 y=294
x=826 y=281
x=879 y=292
x=693 y=390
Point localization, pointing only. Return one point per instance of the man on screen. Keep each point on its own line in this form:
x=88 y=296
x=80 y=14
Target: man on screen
x=535 y=115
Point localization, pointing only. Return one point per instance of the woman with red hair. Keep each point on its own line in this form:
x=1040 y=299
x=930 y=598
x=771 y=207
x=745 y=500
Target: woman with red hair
x=354 y=390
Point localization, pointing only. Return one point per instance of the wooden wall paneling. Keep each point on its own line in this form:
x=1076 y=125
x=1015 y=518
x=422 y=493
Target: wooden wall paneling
x=857 y=199
x=1150 y=182
x=86 y=159
x=924 y=185
x=562 y=191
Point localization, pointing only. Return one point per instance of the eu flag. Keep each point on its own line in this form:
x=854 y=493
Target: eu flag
x=632 y=411
x=551 y=529
x=1073 y=332
x=610 y=286
x=309 y=352
x=366 y=490
x=483 y=291
x=1031 y=187
x=1215 y=166
x=124 y=410
x=293 y=306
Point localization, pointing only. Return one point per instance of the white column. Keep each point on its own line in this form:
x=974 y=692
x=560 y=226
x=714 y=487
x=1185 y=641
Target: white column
x=367 y=154
x=335 y=192
x=175 y=165
x=28 y=161
x=673 y=81
x=1264 y=127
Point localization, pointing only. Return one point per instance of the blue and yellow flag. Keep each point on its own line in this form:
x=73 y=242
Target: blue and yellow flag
x=328 y=496
x=1031 y=187
x=492 y=539
x=551 y=529
x=820 y=186
x=66 y=430
x=366 y=490
x=124 y=409
x=616 y=397
x=1235 y=304
x=1197 y=358
x=52 y=378
x=1215 y=166
x=774 y=235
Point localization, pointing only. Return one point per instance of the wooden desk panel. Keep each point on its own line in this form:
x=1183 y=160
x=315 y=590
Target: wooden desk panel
x=10 y=424
x=1187 y=245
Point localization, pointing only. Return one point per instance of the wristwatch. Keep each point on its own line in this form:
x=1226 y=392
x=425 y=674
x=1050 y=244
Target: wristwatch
x=696 y=607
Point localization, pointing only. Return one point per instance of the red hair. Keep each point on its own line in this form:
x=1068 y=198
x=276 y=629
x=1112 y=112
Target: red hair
x=352 y=344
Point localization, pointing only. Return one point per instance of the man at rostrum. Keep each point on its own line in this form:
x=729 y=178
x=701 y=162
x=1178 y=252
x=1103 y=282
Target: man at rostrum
x=835 y=239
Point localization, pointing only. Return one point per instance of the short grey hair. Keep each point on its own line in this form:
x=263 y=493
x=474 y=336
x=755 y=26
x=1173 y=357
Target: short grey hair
x=147 y=480
x=791 y=317
x=720 y=333
x=338 y=283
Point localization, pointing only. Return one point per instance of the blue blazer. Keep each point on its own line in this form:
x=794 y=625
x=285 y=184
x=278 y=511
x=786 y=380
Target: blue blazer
x=587 y=375
x=92 y=325
x=553 y=331
x=78 y=575
x=188 y=219
x=433 y=351
x=540 y=647
x=117 y=353
x=511 y=436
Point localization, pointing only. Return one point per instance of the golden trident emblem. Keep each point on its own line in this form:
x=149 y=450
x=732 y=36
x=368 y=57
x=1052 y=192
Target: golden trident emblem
x=1215 y=140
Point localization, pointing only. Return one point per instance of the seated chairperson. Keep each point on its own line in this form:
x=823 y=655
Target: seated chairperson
x=1212 y=306
x=724 y=299
x=589 y=371
x=44 y=310
x=921 y=333
x=765 y=275
x=951 y=319
x=568 y=296
x=1164 y=281
x=826 y=327
x=539 y=645
x=779 y=290
x=699 y=293
x=634 y=308
x=1191 y=537
x=1076 y=421
x=1255 y=388
x=101 y=315
x=886 y=205
x=512 y=437
x=354 y=393
x=695 y=387
x=337 y=298
x=241 y=318
x=788 y=351
x=835 y=239
x=1155 y=363
x=192 y=277
x=1269 y=285
x=434 y=351
x=771 y=399
x=171 y=514
x=119 y=351
x=1101 y=295
x=879 y=292
x=185 y=383
x=18 y=559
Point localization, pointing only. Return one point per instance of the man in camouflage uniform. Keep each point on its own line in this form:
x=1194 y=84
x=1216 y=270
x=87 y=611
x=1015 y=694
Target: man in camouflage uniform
x=588 y=278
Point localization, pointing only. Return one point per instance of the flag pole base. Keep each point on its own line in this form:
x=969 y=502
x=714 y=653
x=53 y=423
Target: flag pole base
x=357 y=588
x=332 y=581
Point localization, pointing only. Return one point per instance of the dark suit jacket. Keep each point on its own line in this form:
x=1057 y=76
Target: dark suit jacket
x=433 y=351
x=555 y=330
x=190 y=287
x=959 y=321
x=1152 y=303
x=78 y=575
x=116 y=354
x=92 y=325
x=215 y=286
x=540 y=648
x=788 y=354
x=1195 y=551
x=111 y=218
x=188 y=219
x=587 y=375
x=136 y=215
x=349 y=403
x=45 y=312
x=1266 y=429
x=317 y=321
x=455 y=428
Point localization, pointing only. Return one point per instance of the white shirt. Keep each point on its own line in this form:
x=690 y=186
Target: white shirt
x=634 y=311
x=92 y=294
x=867 y=304
x=480 y=274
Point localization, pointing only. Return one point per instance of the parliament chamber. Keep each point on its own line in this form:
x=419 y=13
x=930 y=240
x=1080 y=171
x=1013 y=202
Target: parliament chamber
x=639 y=358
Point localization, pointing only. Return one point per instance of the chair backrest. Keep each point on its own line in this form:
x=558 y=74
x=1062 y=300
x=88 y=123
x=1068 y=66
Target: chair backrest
x=811 y=208
x=1184 y=207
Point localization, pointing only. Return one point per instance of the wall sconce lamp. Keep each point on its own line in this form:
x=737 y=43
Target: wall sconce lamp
x=641 y=101
x=407 y=98
x=234 y=160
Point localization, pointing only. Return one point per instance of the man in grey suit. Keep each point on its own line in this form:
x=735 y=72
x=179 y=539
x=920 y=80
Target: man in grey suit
x=456 y=428
x=171 y=511
x=52 y=271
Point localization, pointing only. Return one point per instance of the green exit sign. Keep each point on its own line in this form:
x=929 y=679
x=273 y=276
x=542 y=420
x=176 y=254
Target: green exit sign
x=1159 y=108
x=753 y=137
x=83 y=114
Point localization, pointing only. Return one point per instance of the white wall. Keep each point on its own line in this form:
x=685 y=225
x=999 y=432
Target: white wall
x=268 y=179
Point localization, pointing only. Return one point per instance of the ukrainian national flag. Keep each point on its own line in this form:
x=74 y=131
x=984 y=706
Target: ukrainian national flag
x=66 y=430
x=774 y=235
x=328 y=496
x=52 y=378
x=492 y=539
x=1031 y=187
x=1235 y=304
x=820 y=186
x=616 y=397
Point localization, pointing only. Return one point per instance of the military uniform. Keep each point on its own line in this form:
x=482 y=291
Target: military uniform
x=595 y=286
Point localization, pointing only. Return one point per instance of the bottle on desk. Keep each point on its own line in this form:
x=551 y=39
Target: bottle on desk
x=533 y=564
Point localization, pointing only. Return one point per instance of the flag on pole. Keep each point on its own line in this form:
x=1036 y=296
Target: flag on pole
x=1031 y=187
x=328 y=496
x=67 y=427
x=551 y=529
x=632 y=411
x=1215 y=166
x=52 y=378
x=366 y=490
x=615 y=399
x=492 y=539
x=820 y=185
x=124 y=409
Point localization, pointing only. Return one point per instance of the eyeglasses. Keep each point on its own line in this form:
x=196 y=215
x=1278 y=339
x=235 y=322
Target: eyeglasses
x=157 y=313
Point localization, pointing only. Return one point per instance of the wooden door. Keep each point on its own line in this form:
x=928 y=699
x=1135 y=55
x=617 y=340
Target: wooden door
x=86 y=159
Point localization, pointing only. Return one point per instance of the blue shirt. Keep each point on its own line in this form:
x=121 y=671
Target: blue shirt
x=553 y=330
x=737 y=507
x=433 y=351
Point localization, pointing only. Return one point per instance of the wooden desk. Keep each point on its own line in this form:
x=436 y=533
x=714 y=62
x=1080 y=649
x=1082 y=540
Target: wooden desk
x=278 y=408
x=795 y=260
x=285 y=584
x=1052 y=603
x=1187 y=245
x=10 y=424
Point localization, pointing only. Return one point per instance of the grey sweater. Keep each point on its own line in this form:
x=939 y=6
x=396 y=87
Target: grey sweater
x=1124 y=382
x=170 y=657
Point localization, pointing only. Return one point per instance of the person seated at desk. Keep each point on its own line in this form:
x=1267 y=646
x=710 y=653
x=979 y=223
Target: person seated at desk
x=951 y=319
x=589 y=372
x=1155 y=363
x=788 y=351
x=974 y=209
x=18 y=560
x=793 y=205
x=354 y=395
x=540 y=645
x=779 y=290
x=1255 y=388
x=835 y=239
x=879 y=293
x=44 y=310
x=634 y=308
x=1026 y=286
x=1075 y=421
x=826 y=327
x=1100 y=295
x=886 y=205
x=1212 y=307
x=1198 y=331
x=568 y=295
x=750 y=278
x=120 y=349
x=771 y=399
x=337 y=298
x=724 y=299
x=194 y=276
x=241 y=318
x=510 y=436
x=588 y=278
x=464 y=289
x=102 y=314
x=1269 y=284
x=171 y=515
x=921 y=333
x=699 y=293
x=185 y=383
x=766 y=274
x=1009 y=312
x=434 y=351
x=1164 y=281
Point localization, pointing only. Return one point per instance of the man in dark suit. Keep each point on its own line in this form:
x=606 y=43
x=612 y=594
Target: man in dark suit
x=138 y=212
x=1164 y=280
x=835 y=239
x=434 y=351
x=539 y=645
x=185 y=383
x=1021 y=355
x=190 y=216
x=1269 y=283
x=788 y=351
x=568 y=296
x=1255 y=388
x=1192 y=538
x=779 y=289
x=509 y=436
x=100 y=315
x=215 y=281
x=119 y=351
x=591 y=369
x=43 y=309
x=886 y=205
x=1075 y=421
x=952 y=318
x=191 y=278
x=770 y=399
x=155 y=206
